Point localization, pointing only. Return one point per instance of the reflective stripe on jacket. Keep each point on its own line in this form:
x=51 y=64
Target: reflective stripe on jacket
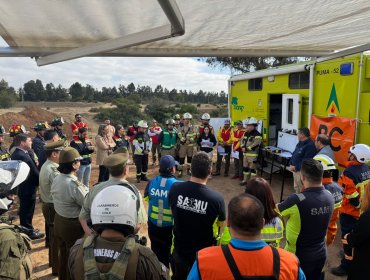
x=157 y=194
x=272 y=233
x=353 y=181
x=142 y=142
x=168 y=140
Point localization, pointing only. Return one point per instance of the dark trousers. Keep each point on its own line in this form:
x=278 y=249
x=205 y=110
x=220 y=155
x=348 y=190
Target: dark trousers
x=26 y=209
x=180 y=266
x=49 y=213
x=238 y=165
x=161 y=241
x=313 y=270
x=347 y=224
x=103 y=173
x=141 y=163
x=227 y=159
x=66 y=232
x=156 y=150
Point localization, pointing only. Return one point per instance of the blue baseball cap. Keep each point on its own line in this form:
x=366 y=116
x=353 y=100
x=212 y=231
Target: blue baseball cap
x=167 y=162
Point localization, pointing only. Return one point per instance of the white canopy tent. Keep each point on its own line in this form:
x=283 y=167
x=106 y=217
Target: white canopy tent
x=59 y=30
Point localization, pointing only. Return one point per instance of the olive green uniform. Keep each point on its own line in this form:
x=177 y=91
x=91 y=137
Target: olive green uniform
x=86 y=208
x=15 y=262
x=48 y=172
x=68 y=194
x=101 y=256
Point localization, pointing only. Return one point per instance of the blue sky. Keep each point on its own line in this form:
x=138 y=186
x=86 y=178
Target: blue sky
x=179 y=73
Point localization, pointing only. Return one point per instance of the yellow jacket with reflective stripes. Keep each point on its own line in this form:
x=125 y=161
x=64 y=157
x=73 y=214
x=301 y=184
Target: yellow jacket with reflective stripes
x=272 y=233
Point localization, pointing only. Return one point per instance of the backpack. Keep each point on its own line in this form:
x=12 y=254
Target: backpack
x=15 y=262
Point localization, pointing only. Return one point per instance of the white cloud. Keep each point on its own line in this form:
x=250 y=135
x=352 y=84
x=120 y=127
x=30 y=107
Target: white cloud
x=179 y=73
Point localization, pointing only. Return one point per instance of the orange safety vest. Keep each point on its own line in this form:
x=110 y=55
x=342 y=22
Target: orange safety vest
x=237 y=135
x=226 y=262
x=75 y=127
x=225 y=135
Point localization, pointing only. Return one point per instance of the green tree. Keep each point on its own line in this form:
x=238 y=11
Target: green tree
x=248 y=64
x=157 y=111
x=76 y=92
x=7 y=95
x=30 y=92
x=126 y=112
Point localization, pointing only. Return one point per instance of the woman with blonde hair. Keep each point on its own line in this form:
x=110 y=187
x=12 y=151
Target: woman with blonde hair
x=359 y=239
x=104 y=148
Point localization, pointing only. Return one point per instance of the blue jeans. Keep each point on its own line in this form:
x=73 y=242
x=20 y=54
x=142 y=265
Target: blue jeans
x=83 y=174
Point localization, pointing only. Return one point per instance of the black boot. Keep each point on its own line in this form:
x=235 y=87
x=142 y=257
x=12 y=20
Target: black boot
x=144 y=178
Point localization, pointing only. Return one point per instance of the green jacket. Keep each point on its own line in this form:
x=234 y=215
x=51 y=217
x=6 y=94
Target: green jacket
x=15 y=262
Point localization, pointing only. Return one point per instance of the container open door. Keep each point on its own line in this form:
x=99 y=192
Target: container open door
x=291 y=112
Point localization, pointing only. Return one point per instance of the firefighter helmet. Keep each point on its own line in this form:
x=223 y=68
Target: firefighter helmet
x=187 y=116
x=143 y=124
x=2 y=130
x=57 y=121
x=326 y=162
x=170 y=122
x=40 y=126
x=177 y=117
x=362 y=152
x=251 y=121
x=16 y=129
x=205 y=117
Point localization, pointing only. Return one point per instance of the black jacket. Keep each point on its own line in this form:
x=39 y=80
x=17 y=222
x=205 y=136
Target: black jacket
x=28 y=187
x=82 y=147
x=38 y=144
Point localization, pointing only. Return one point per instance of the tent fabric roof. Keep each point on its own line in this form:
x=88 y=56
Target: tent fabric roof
x=212 y=27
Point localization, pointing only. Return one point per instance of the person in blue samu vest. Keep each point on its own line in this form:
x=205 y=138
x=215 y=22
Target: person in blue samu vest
x=159 y=212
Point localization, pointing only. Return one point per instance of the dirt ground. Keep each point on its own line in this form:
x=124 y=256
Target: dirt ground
x=226 y=186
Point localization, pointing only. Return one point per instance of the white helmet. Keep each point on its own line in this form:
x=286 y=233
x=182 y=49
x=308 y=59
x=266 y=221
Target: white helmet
x=187 y=116
x=361 y=151
x=116 y=204
x=205 y=117
x=143 y=124
x=12 y=173
x=326 y=162
x=251 y=121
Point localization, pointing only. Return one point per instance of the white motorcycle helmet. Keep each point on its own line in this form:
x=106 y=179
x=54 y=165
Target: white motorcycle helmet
x=143 y=124
x=12 y=173
x=326 y=162
x=361 y=151
x=205 y=117
x=187 y=116
x=116 y=205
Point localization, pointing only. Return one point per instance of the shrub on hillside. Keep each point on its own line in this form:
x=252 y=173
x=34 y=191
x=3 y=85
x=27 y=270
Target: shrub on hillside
x=126 y=113
x=7 y=100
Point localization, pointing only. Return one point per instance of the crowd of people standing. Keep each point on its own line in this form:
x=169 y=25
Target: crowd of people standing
x=90 y=231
